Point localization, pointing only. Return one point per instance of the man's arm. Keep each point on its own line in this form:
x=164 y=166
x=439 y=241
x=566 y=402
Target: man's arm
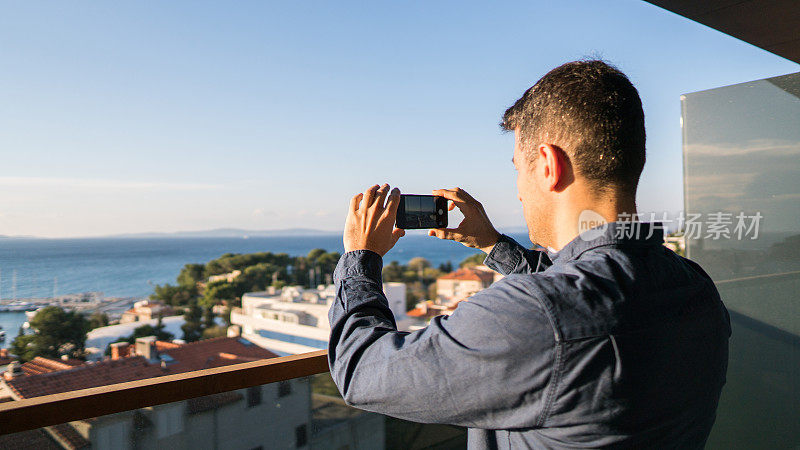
x=505 y=255
x=509 y=257
x=487 y=365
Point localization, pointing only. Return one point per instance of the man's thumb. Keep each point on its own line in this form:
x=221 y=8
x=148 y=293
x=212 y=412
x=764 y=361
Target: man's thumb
x=442 y=233
x=397 y=233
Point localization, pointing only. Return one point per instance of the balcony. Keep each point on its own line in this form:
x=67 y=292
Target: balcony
x=216 y=408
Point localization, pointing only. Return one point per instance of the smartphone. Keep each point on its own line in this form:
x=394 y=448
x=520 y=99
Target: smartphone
x=421 y=211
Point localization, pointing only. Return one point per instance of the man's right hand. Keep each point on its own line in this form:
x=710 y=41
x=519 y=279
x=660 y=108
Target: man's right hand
x=475 y=230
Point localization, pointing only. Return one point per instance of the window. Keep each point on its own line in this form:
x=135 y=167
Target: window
x=169 y=421
x=114 y=435
x=284 y=388
x=301 y=437
x=253 y=396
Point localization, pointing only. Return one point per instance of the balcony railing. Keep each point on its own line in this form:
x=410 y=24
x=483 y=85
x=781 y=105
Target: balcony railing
x=48 y=410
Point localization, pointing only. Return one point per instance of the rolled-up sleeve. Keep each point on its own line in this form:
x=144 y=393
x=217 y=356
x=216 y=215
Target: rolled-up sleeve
x=508 y=257
x=486 y=366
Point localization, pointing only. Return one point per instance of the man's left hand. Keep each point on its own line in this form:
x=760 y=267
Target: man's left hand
x=370 y=223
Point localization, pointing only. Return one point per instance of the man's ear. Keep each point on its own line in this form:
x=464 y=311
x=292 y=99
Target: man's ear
x=552 y=166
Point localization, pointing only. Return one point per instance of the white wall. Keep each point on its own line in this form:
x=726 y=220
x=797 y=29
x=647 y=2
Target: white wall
x=396 y=295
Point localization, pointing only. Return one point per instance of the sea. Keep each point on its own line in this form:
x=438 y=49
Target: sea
x=131 y=267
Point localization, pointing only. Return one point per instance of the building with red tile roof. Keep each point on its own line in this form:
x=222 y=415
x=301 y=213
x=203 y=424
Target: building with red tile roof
x=146 y=310
x=428 y=309
x=152 y=358
x=41 y=364
x=5 y=357
x=469 y=274
x=164 y=425
x=463 y=283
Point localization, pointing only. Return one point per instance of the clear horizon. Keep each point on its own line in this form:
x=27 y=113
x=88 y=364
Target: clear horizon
x=160 y=118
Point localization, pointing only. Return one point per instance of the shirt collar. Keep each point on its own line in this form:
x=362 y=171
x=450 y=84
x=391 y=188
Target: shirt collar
x=613 y=233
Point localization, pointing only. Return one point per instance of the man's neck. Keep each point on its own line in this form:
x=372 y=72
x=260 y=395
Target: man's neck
x=568 y=219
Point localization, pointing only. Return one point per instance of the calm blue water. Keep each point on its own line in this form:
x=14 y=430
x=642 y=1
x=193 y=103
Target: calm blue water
x=11 y=321
x=129 y=267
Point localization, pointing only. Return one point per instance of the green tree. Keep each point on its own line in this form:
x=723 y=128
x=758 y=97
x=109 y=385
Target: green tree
x=216 y=331
x=191 y=274
x=393 y=272
x=327 y=264
x=144 y=331
x=56 y=332
x=418 y=264
x=208 y=318
x=226 y=316
x=192 y=328
x=218 y=291
x=446 y=267
x=175 y=295
x=98 y=319
x=315 y=253
x=429 y=275
x=473 y=260
x=257 y=277
x=149 y=330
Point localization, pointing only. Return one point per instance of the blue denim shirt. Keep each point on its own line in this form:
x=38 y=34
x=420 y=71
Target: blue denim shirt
x=610 y=342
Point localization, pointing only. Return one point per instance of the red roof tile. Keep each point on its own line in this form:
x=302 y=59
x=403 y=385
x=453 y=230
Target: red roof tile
x=84 y=377
x=207 y=353
x=40 y=364
x=198 y=355
x=416 y=312
x=4 y=360
x=468 y=274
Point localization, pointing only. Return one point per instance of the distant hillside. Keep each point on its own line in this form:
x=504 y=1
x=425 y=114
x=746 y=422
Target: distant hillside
x=233 y=232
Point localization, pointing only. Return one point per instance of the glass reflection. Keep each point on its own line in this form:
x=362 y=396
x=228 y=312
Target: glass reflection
x=741 y=148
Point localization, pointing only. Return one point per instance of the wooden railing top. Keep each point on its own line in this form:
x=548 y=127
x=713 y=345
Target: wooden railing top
x=37 y=412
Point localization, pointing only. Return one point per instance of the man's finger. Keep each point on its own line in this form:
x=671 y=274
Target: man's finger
x=355 y=201
x=369 y=197
x=444 y=233
x=397 y=233
x=452 y=195
x=393 y=203
x=462 y=194
x=451 y=206
x=381 y=195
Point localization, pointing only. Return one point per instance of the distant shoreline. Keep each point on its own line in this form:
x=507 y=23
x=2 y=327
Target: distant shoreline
x=215 y=233
x=225 y=233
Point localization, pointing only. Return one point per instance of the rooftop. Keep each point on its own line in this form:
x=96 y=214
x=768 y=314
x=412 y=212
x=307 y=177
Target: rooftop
x=40 y=365
x=178 y=358
x=469 y=274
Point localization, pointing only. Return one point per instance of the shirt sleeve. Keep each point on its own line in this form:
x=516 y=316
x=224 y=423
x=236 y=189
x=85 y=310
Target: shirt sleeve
x=509 y=257
x=487 y=365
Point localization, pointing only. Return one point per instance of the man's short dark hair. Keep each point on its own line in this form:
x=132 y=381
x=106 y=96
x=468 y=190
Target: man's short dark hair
x=593 y=113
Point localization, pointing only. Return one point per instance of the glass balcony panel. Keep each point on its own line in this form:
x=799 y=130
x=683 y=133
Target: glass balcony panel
x=741 y=149
x=300 y=413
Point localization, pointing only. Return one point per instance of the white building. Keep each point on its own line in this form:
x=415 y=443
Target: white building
x=295 y=320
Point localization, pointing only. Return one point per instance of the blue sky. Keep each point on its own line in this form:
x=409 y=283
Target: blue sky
x=166 y=116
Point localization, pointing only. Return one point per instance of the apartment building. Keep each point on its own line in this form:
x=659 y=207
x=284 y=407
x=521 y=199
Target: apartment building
x=294 y=320
x=463 y=283
x=146 y=310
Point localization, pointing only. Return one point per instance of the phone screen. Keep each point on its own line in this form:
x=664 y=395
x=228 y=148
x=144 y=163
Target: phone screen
x=421 y=211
